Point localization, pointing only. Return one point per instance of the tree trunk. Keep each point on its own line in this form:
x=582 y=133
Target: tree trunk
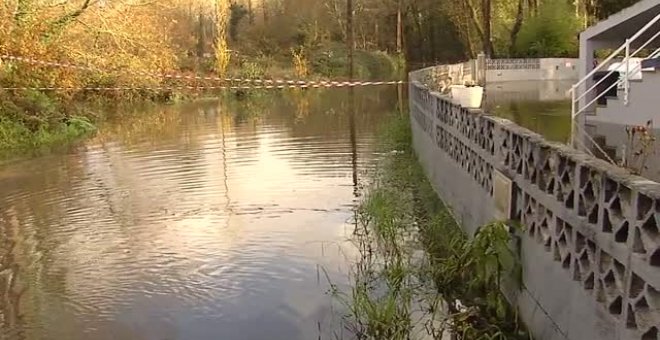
x=59 y=24
x=418 y=28
x=350 y=37
x=377 y=34
x=520 y=15
x=487 y=28
x=465 y=29
x=201 y=35
x=533 y=6
x=475 y=18
x=432 y=50
x=399 y=28
x=264 y=7
x=250 y=12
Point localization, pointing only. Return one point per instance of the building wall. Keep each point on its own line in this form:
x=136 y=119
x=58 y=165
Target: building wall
x=589 y=236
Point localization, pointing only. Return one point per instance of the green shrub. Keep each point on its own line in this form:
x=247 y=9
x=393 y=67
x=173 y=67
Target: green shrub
x=376 y=64
x=15 y=135
x=332 y=62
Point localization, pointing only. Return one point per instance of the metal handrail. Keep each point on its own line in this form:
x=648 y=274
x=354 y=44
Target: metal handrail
x=620 y=49
x=627 y=64
x=576 y=98
x=615 y=84
x=655 y=54
x=575 y=107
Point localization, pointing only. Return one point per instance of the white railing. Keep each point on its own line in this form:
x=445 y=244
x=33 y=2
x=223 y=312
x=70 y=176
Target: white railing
x=578 y=97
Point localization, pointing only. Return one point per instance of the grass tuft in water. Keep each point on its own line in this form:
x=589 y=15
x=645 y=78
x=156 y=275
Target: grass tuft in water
x=16 y=136
x=418 y=275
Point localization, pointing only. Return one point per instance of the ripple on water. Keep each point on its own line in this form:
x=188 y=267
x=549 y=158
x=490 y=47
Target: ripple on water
x=194 y=230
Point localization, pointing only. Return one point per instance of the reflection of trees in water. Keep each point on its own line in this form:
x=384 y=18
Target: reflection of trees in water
x=21 y=269
x=10 y=292
x=149 y=125
x=303 y=112
x=25 y=225
x=548 y=118
x=329 y=114
x=302 y=105
x=353 y=139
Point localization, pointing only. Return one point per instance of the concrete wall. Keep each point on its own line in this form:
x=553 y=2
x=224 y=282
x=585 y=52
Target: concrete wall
x=498 y=71
x=590 y=241
x=507 y=70
x=436 y=76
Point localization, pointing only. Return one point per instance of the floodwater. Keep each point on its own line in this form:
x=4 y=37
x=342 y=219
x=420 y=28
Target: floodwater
x=544 y=107
x=216 y=219
x=541 y=106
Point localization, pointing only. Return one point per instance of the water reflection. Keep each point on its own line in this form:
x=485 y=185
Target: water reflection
x=199 y=221
x=544 y=107
x=541 y=106
x=615 y=141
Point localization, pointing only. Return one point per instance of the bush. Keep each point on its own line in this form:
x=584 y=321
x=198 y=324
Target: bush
x=552 y=33
x=377 y=64
x=329 y=61
x=332 y=62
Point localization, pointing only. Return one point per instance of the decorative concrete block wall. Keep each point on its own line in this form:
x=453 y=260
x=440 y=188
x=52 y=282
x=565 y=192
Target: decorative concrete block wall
x=589 y=236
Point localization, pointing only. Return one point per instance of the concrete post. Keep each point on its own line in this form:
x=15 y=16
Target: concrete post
x=480 y=69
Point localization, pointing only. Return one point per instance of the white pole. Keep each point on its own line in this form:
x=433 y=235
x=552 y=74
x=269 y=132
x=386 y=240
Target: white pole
x=573 y=111
x=626 y=83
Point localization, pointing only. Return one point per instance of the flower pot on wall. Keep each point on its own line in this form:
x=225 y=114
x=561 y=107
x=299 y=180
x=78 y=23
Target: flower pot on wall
x=473 y=97
x=457 y=93
x=468 y=96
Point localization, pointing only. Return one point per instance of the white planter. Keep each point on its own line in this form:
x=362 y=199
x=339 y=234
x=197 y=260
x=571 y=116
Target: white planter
x=468 y=96
x=457 y=92
x=473 y=97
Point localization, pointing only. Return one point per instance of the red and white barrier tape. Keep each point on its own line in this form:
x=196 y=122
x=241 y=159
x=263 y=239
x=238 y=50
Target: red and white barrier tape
x=165 y=88
x=294 y=83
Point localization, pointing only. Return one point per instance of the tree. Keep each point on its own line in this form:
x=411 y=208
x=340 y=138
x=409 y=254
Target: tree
x=222 y=55
x=550 y=33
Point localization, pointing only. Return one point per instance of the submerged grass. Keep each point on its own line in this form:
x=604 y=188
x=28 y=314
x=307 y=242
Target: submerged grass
x=15 y=136
x=35 y=122
x=418 y=275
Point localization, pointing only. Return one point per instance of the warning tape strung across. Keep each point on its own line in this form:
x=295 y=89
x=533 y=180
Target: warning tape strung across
x=165 y=88
x=268 y=82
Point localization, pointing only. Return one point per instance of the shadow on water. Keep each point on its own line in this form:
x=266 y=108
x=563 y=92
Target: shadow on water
x=193 y=221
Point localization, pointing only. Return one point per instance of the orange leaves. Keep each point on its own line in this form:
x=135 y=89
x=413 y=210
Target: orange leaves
x=128 y=35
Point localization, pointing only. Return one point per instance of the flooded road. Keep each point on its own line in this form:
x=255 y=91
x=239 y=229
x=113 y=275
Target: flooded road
x=207 y=220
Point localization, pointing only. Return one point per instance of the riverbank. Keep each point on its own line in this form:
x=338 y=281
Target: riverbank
x=33 y=119
x=418 y=274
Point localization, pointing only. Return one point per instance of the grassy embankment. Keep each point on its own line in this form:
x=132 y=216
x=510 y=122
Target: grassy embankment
x=32 y=119
x=418 y=273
